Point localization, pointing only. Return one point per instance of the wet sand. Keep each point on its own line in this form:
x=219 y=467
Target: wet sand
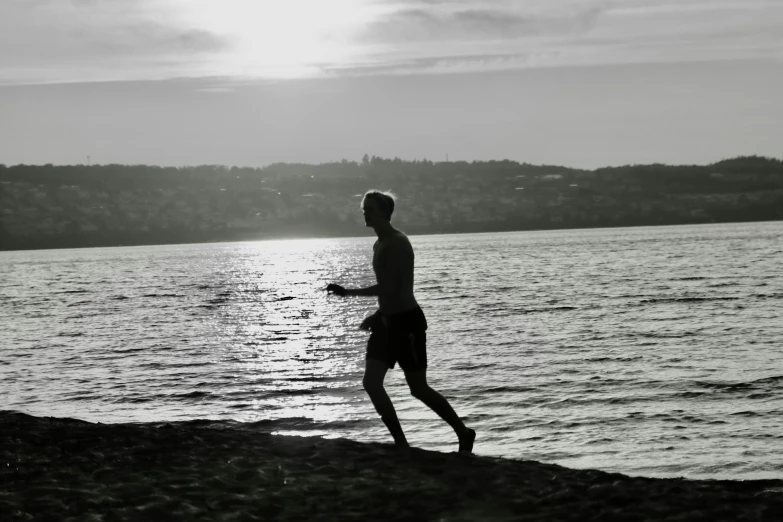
x=65 y=469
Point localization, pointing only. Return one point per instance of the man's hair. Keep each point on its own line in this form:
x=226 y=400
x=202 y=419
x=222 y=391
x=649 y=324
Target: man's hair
x=385 y=201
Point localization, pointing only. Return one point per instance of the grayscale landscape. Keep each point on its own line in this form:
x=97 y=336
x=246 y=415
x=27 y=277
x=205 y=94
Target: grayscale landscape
x=430 y=260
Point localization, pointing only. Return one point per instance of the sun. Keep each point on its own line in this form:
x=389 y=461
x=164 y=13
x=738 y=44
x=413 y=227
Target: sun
x=281 y=38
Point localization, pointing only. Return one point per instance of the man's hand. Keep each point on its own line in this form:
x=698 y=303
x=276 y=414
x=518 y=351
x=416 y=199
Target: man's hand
x=372 y=321
x=335 y=289
x=367 y=323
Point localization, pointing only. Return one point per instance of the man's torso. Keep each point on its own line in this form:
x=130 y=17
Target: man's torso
x=390 y=255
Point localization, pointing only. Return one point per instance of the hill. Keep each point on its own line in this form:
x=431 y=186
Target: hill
x=69 y=206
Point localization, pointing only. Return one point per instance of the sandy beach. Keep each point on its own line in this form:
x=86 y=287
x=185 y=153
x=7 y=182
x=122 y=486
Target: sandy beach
x=66 y=469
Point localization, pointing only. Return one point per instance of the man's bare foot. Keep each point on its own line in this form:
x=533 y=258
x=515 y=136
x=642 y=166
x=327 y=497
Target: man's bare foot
x=402 y=450
x=466 y=441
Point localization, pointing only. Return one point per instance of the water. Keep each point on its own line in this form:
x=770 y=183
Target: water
x=647 y=351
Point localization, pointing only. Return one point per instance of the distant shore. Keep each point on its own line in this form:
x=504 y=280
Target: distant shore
x=61 y=469
x=73 y=206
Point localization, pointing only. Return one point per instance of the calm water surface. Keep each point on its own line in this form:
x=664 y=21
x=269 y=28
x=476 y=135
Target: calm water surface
x=647 y=351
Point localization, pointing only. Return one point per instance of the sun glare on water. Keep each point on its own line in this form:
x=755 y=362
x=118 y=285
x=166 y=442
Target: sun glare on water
x=281 y=38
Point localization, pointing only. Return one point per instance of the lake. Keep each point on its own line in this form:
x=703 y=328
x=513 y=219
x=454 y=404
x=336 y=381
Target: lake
x=653 y=351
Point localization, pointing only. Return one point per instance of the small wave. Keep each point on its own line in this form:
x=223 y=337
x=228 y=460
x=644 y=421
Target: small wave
x=191 y=395
x=757 y=396
x=73 y=292
x=687 y=299
x=543 y=310
x=613 y=359
x=768 y=296
x=80 y=316
x=305 y=424
x=728 y=387
x=509 y=389
x=132 y=349
x=695 y=278
x=162 y=295
x=770 y=380
x=689 y=394
x=84 y=397
x=664 y=335
x=765 y=384
x=467 y=366
x=313 y=378
x=134 y=400
x=120 y=297
x=746 y=413
x=447 y=297
x=677 y=416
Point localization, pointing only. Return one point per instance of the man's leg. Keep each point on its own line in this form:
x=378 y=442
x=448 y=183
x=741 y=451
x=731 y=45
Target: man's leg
x=374 y=372
x=417 y=382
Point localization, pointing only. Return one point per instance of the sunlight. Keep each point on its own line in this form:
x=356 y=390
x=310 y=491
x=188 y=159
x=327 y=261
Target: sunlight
x=293 y=247
x=289 y=39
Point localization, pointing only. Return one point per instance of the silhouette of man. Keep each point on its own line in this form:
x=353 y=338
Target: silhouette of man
x=399 y=326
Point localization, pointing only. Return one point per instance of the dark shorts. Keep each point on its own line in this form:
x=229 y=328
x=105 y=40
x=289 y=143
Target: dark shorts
x=403 y=340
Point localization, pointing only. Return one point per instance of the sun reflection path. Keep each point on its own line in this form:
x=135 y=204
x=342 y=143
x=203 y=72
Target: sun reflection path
x=288 y=349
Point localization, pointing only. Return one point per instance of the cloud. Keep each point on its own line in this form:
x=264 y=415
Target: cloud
x=44 y=40
x=446 y=64
x=422 y=36
x=97 y=40
x=436 y=25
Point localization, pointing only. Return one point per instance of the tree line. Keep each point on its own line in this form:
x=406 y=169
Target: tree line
x=44 y=206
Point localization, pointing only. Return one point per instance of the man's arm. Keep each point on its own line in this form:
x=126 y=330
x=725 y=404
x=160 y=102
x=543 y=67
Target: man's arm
x=370 y=291
x=395 y=259
x=342 y=291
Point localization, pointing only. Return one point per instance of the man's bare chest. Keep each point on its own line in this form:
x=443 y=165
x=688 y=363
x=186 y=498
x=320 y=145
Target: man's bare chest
x=377 y=257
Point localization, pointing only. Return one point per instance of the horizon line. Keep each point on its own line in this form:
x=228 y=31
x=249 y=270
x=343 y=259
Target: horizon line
x=356 y=73
x=415 y=160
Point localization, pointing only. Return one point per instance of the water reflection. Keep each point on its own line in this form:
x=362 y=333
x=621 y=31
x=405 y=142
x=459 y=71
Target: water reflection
x=277 y=322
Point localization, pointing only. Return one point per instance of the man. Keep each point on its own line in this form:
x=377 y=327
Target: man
x=399 y=326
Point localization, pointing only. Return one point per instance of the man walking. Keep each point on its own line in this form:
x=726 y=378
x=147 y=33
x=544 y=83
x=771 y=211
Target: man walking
x=399 y=326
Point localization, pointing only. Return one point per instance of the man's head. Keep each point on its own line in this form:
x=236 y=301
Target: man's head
x=377 y=207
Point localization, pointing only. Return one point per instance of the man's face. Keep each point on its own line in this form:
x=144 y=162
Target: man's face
x=373 y=214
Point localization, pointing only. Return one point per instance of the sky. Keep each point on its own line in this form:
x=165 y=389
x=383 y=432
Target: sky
x=578 y=83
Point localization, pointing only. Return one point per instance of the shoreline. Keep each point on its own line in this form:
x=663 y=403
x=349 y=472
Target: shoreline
x=61 y=469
